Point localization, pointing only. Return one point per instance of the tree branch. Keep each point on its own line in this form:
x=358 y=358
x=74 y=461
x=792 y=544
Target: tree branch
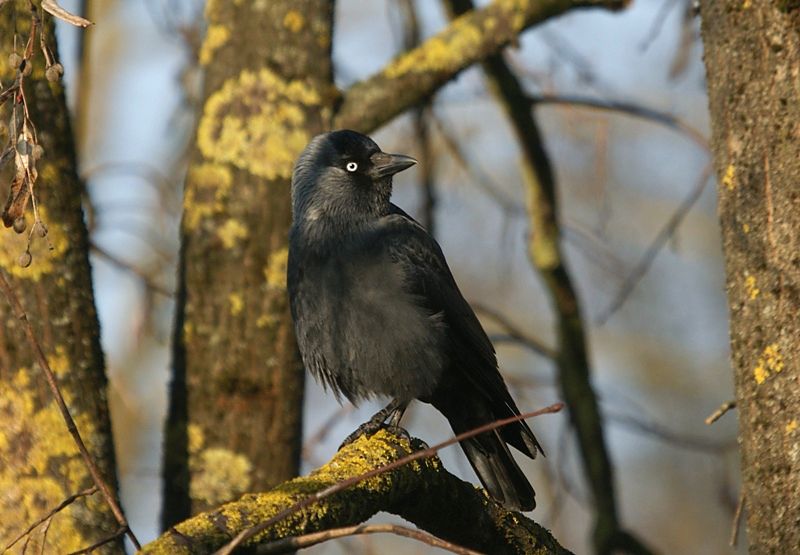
x=545 y=254
x=418 y=73
x=422 y=492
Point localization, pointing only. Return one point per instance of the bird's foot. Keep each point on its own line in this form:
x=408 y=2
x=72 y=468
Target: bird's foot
x=371 y=427
x=387 y=419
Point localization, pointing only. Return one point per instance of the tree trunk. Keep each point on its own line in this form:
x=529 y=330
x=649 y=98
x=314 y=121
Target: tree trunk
x=752 y=52
x=39 y=464
x=235 y=414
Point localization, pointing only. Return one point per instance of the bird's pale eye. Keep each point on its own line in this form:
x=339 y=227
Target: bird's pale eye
x=351 y=166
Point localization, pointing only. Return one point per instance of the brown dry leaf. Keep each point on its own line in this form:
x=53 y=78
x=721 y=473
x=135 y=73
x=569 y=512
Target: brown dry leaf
x=52 y=7
x=18 y=198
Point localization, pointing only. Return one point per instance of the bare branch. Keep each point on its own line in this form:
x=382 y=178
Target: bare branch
x=544 y=252
x=128 y=267
x=516 y=333
x=58 y=508
x=658 y=243
x=286 y=545
x=723 y=408
x=629 y=108
x=108 y=539
x=420 y=72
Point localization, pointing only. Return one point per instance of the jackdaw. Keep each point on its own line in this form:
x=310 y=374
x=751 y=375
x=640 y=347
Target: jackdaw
x=377 y=312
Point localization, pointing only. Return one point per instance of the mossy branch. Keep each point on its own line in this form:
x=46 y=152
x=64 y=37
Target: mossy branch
x=422 y=492
x=418 y=73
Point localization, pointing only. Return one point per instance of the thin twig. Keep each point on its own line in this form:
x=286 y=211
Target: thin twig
x=128 y=267
x=467 y=162
x=61 y=506
x=119 y=533
x=629 y=108
x=723 y=408
x=286 y=545
x=660 y=432
x=655 y=247
x=515 y=332
x=412 y=38
x=19 y=312
x=737 y=519
x=339 y=486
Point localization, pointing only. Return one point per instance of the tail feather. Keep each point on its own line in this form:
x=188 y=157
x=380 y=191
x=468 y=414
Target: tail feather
x=499 y=472
x=488 y=453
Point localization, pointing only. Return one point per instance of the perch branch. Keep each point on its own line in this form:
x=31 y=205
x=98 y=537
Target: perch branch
x=383 y=472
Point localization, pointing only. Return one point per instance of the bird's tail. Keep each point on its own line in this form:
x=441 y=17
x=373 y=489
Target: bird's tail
x=490 y=458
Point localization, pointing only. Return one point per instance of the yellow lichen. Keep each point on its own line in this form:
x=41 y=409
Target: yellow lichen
x=770 y=361
x=266 y=320
x=294 y=21
x=440 y=53
x=275 y=271
x=791 y=426
x=213 y=10
x=231 y=232
x=207 y=187
x=216 y=36
x=196 y=438
x=45 y=251
x=41 y=464
x=728 y=180
x=256 y=122
x=188 y=331
x=760 y=373
x=218 y=475
x=746 y=228
x=236 y=302
x=59 y=362
x=752 y=289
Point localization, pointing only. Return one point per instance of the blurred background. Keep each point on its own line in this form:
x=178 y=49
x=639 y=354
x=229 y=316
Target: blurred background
x=639 y=230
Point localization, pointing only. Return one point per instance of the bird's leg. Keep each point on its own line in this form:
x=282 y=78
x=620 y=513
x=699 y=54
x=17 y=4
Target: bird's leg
x=393 y=413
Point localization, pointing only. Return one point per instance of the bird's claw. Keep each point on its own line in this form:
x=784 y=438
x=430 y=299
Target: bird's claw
x=371 y=427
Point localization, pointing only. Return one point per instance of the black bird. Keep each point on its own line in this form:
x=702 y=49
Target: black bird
x=377 y=312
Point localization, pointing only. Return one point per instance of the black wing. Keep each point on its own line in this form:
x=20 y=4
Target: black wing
x=428 y=277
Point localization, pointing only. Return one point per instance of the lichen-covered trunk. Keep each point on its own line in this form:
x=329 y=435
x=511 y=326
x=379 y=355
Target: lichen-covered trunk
x=39 y=464
x=752 y=55
x=235 y=412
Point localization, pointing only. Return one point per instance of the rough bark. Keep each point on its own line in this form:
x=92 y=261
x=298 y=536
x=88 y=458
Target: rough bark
x=752 y=50
x=237 y=393
x=422 y=492
x=39 y=463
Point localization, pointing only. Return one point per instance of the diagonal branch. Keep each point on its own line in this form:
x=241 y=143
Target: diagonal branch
x=417 y=74
x=287 y=545
x=571 y=352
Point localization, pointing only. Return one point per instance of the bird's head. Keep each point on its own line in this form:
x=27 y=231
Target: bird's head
x=343 y=176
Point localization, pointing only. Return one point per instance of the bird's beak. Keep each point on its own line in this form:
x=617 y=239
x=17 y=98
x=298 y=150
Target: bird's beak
x=384 y=165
